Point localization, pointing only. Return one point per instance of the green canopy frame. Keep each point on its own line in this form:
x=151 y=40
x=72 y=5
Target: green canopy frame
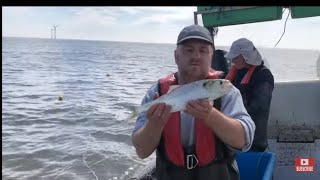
x=215 y=16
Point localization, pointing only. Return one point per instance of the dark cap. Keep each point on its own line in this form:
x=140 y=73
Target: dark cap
x=195 y=32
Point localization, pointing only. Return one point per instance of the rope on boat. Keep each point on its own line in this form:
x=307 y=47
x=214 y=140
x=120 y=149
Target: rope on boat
x=285 y=25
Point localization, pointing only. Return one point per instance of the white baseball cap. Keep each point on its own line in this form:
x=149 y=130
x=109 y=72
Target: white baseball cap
x=246 y=48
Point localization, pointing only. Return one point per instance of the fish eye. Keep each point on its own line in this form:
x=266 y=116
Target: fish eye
x=220 y=82
x=204 y=84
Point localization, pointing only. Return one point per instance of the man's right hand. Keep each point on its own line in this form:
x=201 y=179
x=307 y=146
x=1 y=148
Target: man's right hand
x=147 y=138
x=158 y=114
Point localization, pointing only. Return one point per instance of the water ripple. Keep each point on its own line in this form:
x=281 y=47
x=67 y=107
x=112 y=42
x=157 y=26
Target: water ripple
x=86 y=132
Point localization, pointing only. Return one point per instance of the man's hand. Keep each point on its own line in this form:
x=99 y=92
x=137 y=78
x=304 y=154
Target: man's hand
x=158 y=114
x=200 y=109
x=147 y=139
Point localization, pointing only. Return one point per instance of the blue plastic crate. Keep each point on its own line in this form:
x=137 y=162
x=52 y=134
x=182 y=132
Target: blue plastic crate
x=256 y=165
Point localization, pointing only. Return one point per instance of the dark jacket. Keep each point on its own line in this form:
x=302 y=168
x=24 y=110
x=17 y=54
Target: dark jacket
x=257 y=95
x=219 y=62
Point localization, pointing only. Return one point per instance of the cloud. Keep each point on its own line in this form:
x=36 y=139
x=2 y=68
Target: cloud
x=108 y=16
x=97 y=16
x=17 y=11
x=166 y=16
x=163 y=18
x=148 y=24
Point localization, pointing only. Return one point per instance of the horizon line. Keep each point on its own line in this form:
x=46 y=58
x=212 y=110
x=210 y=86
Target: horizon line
x=149 y=42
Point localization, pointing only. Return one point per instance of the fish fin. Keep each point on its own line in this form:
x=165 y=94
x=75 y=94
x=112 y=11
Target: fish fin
x=172 y=87
x=132 y=115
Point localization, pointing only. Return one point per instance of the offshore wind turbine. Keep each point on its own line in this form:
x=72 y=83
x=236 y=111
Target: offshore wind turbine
x=55 y=30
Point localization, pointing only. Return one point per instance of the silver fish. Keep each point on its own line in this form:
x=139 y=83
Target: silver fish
x=179 y=95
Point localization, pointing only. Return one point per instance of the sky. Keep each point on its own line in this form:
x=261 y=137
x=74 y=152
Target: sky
x=151 y=25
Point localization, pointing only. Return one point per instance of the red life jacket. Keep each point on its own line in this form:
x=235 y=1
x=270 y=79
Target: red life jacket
x=204 y=136
x=233 y=72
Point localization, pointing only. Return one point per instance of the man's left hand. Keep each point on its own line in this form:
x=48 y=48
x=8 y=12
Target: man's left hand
x=200 y=109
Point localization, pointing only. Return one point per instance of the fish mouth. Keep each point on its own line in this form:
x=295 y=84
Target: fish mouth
x=227 y=83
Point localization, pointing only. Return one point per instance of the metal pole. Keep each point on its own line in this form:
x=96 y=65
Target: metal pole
x=55 y=32
x=195 y=18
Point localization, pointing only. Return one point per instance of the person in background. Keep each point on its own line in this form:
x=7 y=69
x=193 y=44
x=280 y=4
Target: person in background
x=199 y=143
x=255 y=82
x=220 y=63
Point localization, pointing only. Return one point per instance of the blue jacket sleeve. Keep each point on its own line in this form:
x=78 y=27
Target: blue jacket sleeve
x=141 y=119
x=232 y=106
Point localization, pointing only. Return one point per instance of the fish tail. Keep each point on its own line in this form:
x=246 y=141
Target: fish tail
x=133 y=114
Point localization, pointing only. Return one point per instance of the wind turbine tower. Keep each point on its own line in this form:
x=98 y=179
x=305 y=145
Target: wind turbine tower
x=55 y=31
x=51 y=33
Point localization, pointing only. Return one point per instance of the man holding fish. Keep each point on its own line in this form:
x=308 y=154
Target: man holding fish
x=198 y=122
